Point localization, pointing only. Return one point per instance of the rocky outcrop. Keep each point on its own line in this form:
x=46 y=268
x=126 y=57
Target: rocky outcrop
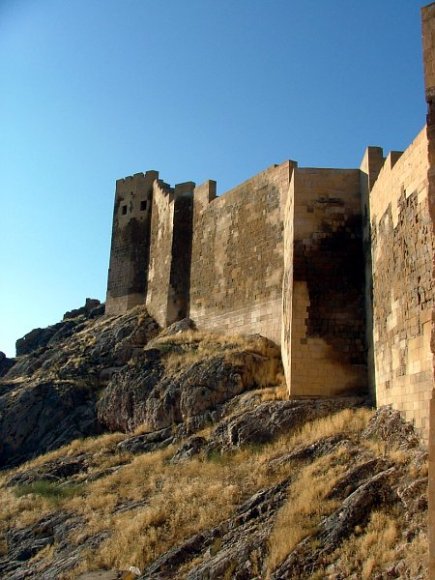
x=40 y=338
x=5 y=364
x=82 y=376
x=53 y=530
x=146 y=394
x=236 y=548
x=389 y=426
x=91 y=309
x=184 y=396
x=271 y=419
x=49 y=396
x=55 y=471
x=355 y=510
x=38 y=417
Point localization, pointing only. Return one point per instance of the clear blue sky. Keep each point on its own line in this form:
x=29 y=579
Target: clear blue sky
x=94 y=90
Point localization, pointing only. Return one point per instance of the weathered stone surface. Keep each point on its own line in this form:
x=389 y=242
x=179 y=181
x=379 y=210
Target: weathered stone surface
x=90 y=308
x=388 y=425
x=176 y=327
x=269 y=420
x=147 y=395
x=73 y=320
x=48 y=397
x=53 y=530
x=356 y=476
x=38 y=338
x=402 y=247
x=191 y=447
x=234 y=547
x=105 y=359
x=355 y=510
x=129 y=253
x=323 y=290
x=5 y=364
x=148 y=441
x=313 y=451
x=238 y=546
x=55 y=471
x=414 y=496
x=38 y=417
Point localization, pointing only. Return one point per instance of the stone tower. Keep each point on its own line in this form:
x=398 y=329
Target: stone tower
x=129 y=253
x=151 y=247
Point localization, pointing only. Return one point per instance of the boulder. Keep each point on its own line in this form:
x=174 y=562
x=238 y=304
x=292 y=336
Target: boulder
x=90 y=306
x=38 y=417
x=235 y=548
x=147 y=394
x=388 y=425
x=270 y=419
x=5 y=364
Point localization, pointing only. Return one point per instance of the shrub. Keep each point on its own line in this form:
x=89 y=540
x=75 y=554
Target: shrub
x=49 y=490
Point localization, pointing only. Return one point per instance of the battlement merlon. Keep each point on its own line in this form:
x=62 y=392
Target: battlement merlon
x=205 y=193
x=185 y=189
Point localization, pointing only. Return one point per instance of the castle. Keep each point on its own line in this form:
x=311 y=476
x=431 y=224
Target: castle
x=336 y=265
x=333 y=264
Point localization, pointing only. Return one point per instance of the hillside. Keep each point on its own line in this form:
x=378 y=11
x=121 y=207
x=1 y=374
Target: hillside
x=132 y=452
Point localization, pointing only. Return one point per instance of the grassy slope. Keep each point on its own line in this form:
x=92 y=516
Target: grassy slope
x=179 y=500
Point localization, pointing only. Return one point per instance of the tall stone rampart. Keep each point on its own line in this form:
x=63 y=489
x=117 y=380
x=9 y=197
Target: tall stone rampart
x=237 y=255
x=402 y=251
x=167 y=298
x=428 y=19
x=371 y=164
x=159 y=269
x=323 y=299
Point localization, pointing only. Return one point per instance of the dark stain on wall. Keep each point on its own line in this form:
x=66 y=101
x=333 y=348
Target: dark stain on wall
x=179 y=281
x=130 y=255
x=331 y=263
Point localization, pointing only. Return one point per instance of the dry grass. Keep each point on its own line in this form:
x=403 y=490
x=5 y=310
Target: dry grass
x=278 y=393
x=259 y=360
x=29 y=508
x=97 y=445
x=185 y=498
x=306 y=506
x=208 y=339
x=180 y=500
x=348 y=421
x=370 y=551
x=165 y=504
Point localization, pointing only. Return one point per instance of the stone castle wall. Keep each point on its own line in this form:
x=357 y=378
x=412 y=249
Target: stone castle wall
x=323 y=316
x=237 y=255
x=428 y=18
x=336 y=264
x=402 y=250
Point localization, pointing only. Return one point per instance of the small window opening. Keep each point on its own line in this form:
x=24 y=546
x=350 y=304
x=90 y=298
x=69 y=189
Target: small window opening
x=124 y=209
x=143 y=205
